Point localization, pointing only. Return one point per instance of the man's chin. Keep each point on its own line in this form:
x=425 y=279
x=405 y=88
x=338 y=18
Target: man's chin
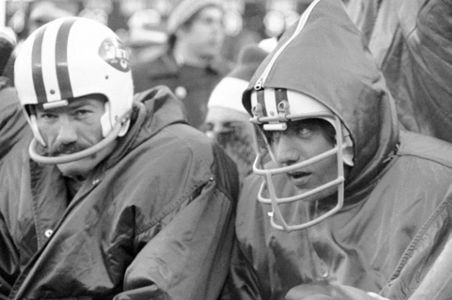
x=76 y=169
x=322 y=194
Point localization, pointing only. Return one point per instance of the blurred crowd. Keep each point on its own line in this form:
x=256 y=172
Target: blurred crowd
x=164 y=48
x=142 y=23
x=330 y=172
x=386 y=26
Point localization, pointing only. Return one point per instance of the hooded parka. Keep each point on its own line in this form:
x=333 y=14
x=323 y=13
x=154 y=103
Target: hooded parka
x=153 y=221
x=397 y=212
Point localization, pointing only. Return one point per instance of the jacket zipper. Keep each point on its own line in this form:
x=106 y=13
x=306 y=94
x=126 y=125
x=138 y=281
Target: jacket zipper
x=301 y=23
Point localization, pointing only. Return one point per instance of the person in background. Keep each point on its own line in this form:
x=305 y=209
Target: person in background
x=191 y=64
x=12 y=122
x=114 y=196
x=227 y=121
x=350 y=205
x=44 y=11
x=146 y=36
x=8 y=43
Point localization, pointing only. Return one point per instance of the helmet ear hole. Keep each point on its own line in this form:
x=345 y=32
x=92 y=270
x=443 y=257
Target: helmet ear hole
x=124 y=128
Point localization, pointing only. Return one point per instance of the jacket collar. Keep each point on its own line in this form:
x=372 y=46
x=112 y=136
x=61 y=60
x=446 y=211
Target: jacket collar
x=153 y=110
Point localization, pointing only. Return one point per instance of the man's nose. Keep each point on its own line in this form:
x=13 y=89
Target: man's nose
x=67 y=132
x=286 y=151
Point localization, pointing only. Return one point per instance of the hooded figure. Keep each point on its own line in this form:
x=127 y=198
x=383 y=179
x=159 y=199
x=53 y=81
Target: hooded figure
x=381 y=211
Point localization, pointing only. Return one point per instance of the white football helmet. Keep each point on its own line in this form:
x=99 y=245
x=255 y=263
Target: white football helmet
x=68 y=58
x=272 y=109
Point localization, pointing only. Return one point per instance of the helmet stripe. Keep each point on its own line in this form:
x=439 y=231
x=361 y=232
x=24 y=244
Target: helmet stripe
x=280 y=95
x=36 y=65
x=261 y=101
x=270 y=102
x=61 y=59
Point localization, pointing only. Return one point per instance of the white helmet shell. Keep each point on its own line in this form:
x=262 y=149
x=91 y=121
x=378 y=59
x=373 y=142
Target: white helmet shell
x=72 y=57
x=277 y=106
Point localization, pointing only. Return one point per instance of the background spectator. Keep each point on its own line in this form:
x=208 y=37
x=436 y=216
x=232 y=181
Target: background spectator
x=227 y=121
x=191 y=65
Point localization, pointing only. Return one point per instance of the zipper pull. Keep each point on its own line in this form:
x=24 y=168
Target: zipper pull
x=259 y=84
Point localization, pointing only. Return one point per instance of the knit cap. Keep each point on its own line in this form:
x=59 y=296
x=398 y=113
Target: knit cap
x=187 y=9
x=228 y=92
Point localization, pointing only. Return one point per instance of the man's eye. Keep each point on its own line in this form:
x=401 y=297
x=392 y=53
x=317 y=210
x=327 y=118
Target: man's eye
x=81 y=113
x=47 y=116
x=304 y=131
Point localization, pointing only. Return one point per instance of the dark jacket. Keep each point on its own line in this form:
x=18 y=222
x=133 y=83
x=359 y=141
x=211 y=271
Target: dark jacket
x=397 y=213
x=13 y=125
x=190 y=84
x=153 y=221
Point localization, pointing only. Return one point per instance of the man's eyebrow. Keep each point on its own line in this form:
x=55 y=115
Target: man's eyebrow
x=79 y=103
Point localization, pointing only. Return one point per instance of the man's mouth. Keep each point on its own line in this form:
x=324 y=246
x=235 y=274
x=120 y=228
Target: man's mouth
x=299 y=178
x=66 y=150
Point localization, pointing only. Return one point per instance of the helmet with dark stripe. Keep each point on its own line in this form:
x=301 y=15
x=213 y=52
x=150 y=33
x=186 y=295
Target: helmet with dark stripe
x=72 y=57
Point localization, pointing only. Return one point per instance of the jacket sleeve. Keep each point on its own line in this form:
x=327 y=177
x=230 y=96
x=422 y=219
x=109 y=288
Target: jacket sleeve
x=12 y=121
x=189 y=257
x=9 y=261
x=437 y=283
x=425 y=271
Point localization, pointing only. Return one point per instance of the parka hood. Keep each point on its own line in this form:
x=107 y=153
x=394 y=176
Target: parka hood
x=323 y=57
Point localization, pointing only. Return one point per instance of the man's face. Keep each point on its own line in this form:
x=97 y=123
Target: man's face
x=205 y=35
x=302 y=140
x=73 y=128
x=232 y=131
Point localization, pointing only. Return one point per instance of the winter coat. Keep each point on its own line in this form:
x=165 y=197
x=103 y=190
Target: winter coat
x=153 y=221
x=190 y=84
x=411 y=41
x=398 y=198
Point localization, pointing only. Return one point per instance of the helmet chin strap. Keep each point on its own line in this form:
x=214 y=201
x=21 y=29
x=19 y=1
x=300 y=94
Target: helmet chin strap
x=53 y=160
